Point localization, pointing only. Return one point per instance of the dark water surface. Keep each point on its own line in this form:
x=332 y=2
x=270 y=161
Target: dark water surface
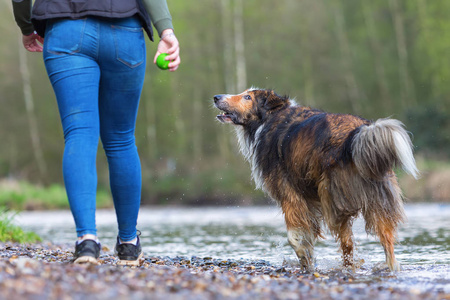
x=253 y=233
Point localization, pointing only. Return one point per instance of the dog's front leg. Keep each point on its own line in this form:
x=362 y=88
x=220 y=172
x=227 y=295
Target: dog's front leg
x=302 y=230
x=303 y=244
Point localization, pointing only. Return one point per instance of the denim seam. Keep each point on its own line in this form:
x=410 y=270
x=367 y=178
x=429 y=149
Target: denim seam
x=97 y=52
x=73 y=52
x=130 y=29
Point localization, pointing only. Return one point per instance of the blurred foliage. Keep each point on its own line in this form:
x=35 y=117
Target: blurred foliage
x=375 y=58
x=430 y=126
x=23 y=195
x=12 y=233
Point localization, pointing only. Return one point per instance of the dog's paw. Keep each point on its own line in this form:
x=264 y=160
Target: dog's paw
x=395 y=266
x=384 y=267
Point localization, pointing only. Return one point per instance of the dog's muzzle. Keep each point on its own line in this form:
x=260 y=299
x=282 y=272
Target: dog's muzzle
x=225 y=117
x=217 y=98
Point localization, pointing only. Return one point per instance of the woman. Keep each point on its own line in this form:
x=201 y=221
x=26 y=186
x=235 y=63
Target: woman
x=95 y=57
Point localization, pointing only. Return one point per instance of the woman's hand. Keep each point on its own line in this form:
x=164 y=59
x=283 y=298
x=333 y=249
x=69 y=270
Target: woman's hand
x=169 y=44
x=33 y=42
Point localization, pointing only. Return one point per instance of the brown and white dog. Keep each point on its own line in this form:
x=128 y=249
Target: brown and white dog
x=325 y=167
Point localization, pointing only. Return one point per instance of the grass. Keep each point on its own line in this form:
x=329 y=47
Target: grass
x=12 y=233
x=21 y=195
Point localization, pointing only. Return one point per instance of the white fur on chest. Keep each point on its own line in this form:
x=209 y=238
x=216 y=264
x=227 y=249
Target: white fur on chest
x=248 y=149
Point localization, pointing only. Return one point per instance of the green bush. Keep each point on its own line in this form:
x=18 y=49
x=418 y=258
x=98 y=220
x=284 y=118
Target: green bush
x=21 y=195
x=12 y=233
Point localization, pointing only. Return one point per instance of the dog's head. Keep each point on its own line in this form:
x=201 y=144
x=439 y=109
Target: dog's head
x=251 y=105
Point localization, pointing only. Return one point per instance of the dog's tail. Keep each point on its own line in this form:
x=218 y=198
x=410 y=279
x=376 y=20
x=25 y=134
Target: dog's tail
x=380 y=146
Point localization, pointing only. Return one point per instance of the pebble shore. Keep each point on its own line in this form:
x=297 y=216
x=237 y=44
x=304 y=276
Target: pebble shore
x=45 y=271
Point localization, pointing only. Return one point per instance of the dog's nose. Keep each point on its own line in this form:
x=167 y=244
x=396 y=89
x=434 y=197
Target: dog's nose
x=217 y=98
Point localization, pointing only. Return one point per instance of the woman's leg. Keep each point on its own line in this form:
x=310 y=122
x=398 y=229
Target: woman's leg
x=74 y=75
x=122 y=61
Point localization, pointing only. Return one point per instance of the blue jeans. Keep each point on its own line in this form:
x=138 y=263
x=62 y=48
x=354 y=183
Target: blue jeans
x=97 y=67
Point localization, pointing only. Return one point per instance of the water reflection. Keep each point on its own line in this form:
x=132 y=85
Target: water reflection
x=253 y=233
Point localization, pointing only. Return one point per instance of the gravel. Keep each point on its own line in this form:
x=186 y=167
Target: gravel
x=46 y=271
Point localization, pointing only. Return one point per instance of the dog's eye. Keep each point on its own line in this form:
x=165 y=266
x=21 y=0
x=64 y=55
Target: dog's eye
x=247 y=97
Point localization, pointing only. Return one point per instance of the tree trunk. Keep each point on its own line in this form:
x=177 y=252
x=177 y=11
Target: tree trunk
x=424 y=21
x=354 y=94
x=378 y=61
x=29 y=106
x=197 y=143
x=179 y=122
x=230 y=86
x=239 y=46
x=306 y=30
x=224 y=140
x=407 y=91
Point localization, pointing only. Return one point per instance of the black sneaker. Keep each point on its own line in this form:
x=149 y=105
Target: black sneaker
x=129 y=254
x=87 y=252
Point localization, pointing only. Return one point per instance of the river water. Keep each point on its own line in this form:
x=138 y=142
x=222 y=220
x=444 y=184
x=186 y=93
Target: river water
x=254 y=233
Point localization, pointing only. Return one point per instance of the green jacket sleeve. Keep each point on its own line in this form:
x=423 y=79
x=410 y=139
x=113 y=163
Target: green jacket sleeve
x=160 y=15
x=22 y=15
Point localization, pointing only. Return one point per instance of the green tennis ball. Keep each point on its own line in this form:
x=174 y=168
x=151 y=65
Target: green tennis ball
x=161 y=62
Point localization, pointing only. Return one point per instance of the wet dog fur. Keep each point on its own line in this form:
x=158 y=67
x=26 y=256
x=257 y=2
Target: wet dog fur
x=322 y=167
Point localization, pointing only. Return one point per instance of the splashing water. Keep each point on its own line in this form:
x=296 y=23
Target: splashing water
x=255 y=233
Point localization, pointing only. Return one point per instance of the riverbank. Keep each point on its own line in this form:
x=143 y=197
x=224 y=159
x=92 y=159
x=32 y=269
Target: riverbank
x=432 y=186
x=45 y=271
x=23 y=195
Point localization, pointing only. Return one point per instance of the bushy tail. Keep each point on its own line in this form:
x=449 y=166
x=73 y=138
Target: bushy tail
x=378 y=147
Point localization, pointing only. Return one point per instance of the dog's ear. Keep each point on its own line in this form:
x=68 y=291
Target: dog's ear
x=273 y=101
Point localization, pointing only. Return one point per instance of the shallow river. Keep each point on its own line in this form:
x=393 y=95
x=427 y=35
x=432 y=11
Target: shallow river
x=254 y=233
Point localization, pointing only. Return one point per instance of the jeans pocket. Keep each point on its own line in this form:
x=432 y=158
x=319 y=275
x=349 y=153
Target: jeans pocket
x=64 y=36
x=130 y=45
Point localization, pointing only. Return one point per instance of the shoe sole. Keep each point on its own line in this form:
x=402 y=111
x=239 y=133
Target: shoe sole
x=133 y=263
x=86 y=260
